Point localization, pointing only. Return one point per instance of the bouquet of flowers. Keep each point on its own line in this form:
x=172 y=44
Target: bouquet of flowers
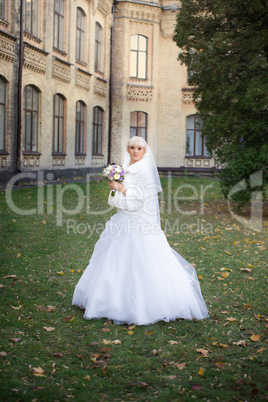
x=114 y=172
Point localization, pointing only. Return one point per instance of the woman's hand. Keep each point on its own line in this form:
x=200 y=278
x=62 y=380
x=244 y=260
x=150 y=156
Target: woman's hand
x=114 y=185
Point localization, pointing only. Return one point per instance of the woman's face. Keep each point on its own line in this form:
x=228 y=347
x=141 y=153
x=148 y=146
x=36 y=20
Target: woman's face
x=136 y=153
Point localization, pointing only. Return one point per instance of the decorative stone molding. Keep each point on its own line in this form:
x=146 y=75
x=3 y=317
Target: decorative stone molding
x=61 y=70
x=142 y=12
x=58 y=160
x=139 y=93
x=3 y=162
x=82 y=79
x=187 y=95
x=100 y=86
x=35 y=59
x=31 y=161
x=80 y=160
x=97 y=160
x=104 y=7
x=7 y=47
x=197 y=162
x=31 y=37
x=4 y=23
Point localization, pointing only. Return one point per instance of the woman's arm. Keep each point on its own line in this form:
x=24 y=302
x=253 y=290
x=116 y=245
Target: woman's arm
x=114 y=185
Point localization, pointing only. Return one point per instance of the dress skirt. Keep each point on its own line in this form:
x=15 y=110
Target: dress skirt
x=135 y=277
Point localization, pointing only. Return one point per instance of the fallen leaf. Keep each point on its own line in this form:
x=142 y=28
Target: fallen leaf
x=130 y=332
x=38 y=372
x=117 y=342
x=58 y=354
x=16 y=340
x=223 y=345
x=50 y=308
x=105 y=329
x=220 y=365
x=131 y=327
x=105 y=349
x=203 y=351
x=180 y=366
x=227 y=252
x=232 y=319
x=61 y=273
x=87 y=377
x=10 y=276
x=48 y=329
x=255 y=338
x=240 y=343
x=200 y=276
x=106 y=342
x=94 y=343
x=247 y=306
x=1 y=286
x=173 y=342
x=16 y=308
x=69 y=318
x=154 y=352
x=201 y=371
x=261 y=350
x=3 y=354
x=171 y=377
x=196 y=387
x=225 y=274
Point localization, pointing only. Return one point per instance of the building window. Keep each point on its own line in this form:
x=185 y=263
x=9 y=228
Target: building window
x=31 y=17
x=58 y=118
x=97 y=130
x=80 y=128
x=2 y=9
x=138 y=56
x=80 y=34
x=2 y=114
x=195 y=144
x=138 y=124
x=98 y=46
x=58 y=24
x=31 y=110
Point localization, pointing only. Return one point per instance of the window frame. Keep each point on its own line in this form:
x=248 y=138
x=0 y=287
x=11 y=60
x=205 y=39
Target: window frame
x=4 y=107
x=58 y=118
x=137 y=127
x=137 y=52
x=3 y=16
x=32 y=112
x=80 y=130
x=98 y=47
x=33 y=30
x=80 y=36
x=196 y=130
x=59 y=36
x=97 y=131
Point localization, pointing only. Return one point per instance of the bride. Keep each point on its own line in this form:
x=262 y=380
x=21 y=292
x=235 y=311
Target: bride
x=134 y=276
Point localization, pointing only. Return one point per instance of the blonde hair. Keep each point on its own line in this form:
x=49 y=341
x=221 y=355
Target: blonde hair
x=138 y=141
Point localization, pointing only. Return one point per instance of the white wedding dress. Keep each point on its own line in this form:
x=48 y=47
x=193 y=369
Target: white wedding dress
x=134 y=276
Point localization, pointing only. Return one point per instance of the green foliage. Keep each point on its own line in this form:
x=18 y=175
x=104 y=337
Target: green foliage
x=224 y=45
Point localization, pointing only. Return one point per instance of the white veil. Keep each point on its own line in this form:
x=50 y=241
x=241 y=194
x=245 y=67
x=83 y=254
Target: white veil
x=152 y=202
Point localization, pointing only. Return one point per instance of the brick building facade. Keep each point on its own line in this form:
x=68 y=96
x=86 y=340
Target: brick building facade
x=93 y=73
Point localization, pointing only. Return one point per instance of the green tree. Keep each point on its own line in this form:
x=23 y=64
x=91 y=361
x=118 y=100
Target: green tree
x=224 y=44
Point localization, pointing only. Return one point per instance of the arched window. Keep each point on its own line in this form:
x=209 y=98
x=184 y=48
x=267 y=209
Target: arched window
x=31 y=17
x=2 y=114
x=80 y=127
x=58 y=41
x=195 y=144
x=2 y=9
x=59 y=123
x=80 y=35
x=31 y=116
x=98 y=47
x=138 y=124
x=138 y=56
x=97 y=130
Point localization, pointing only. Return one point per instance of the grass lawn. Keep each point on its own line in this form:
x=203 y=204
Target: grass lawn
x=49 y=352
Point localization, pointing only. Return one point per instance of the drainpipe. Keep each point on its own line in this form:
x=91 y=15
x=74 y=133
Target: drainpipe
x=111 y=87
x=21 y=56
